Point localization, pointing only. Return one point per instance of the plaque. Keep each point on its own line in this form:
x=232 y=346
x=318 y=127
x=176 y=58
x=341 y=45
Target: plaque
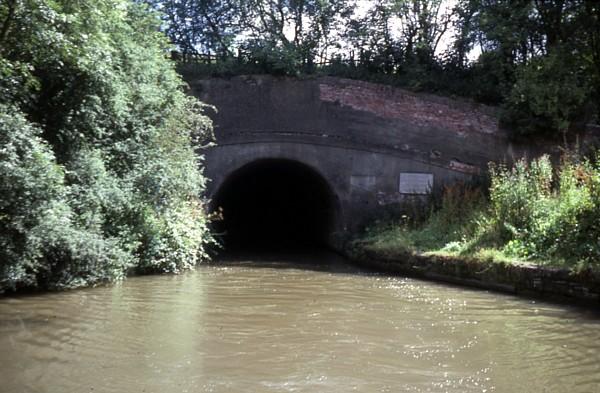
x=416 y=183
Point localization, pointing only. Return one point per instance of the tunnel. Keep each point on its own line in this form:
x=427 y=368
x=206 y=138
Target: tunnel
x=275 y=204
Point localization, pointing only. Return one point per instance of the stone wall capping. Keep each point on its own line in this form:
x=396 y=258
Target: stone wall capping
x=523 y=279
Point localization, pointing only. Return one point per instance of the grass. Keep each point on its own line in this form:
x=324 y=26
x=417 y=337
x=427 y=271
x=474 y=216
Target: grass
x=396 y=242
x=532 y=214
x=393 y=240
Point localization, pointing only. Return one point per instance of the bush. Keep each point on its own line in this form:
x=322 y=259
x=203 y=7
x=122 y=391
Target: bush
x=44 y=242
x=450 y=222
x=550 y=94
x=563 y=225
x=546 y=215
x=99 y=172
x=535 y=212
x=518 y=194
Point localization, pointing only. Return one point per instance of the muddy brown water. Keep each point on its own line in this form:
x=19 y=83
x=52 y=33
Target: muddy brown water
x=278 y=326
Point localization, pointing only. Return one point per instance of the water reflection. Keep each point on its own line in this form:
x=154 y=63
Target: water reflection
x=278 y=326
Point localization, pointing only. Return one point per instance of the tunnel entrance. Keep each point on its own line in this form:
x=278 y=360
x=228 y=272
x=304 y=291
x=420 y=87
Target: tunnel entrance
x=275 y=204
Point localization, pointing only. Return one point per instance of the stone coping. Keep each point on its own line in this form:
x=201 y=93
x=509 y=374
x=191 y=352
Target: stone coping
x=556 y=284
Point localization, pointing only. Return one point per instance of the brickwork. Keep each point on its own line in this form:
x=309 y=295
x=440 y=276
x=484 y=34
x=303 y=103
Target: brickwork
x=421 y=110
x=359 y=136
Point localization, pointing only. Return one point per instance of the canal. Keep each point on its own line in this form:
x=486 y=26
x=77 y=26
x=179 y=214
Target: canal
x=310 y=324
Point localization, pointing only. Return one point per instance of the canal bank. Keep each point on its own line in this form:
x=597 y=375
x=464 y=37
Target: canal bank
x=528 y=280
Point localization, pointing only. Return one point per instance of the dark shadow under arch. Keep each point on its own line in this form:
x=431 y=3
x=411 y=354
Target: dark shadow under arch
x=275 y=204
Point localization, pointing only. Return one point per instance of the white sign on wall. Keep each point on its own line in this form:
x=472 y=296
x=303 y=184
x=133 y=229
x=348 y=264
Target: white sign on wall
x=416 y=183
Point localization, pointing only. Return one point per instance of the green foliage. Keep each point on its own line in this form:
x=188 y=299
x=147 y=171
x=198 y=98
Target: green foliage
x=43 y=243
x=563 y=224
x=534 y=213
x=455 y=220
x=549 y=95
x=515 y=194
x=99 y=169
x=491 y=79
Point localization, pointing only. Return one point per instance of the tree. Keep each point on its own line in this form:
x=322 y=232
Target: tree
x=550 y=94
x=541 y=55
x=98 y=140
x=200 y=26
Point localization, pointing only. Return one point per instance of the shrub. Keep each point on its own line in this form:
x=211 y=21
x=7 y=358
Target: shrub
x=549 y=94
x=535 y=212
x=44 y=242
x=99 y=166
x=547 y=223
x=518 y=194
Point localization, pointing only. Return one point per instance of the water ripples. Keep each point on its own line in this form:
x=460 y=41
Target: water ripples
x=289 y=328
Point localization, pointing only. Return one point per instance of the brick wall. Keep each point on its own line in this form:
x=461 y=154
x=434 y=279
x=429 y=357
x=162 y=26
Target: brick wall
x=421 y=110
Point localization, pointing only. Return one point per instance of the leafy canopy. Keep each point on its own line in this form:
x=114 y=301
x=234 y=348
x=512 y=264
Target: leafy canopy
x=99 y=169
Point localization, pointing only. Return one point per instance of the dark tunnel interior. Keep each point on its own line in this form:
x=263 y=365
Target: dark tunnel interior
x=275 y=205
